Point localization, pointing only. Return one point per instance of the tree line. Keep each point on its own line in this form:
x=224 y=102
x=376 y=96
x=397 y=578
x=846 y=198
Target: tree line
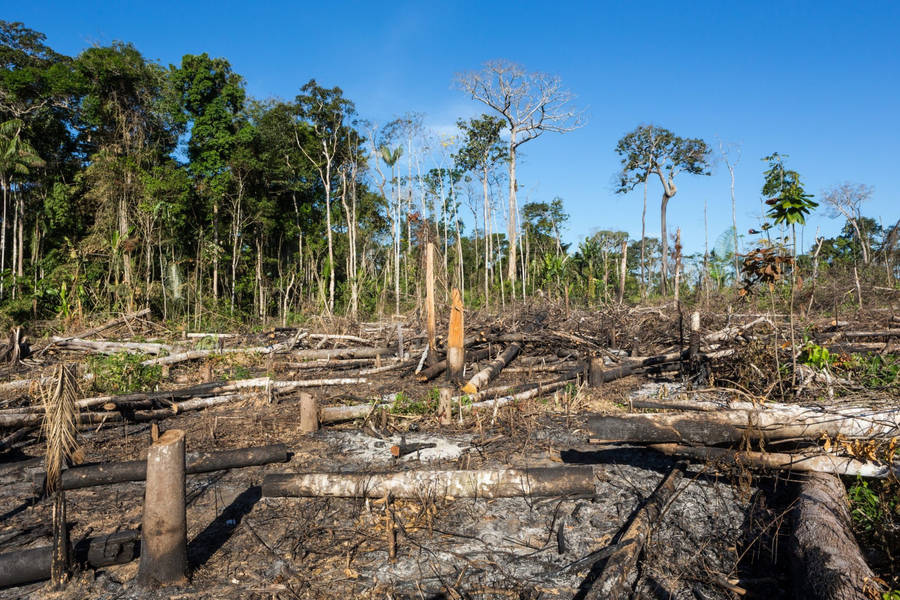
x=126 y=182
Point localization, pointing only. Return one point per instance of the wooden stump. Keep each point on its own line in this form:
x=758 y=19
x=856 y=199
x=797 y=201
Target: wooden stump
x=429 y=303
x=595 y=372
x=456 y=357
x=445 y=406
x=164 y=530
x=309 y=413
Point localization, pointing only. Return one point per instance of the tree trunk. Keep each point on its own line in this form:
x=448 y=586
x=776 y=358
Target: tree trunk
x=486 y=375
x=164 y=530
x=501 y=483
x=511 y=226
x=664 y=262
x=828 y=564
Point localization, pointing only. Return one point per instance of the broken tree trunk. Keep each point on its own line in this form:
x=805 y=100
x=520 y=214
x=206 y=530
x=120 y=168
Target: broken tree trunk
x=195 y=462
x=828 y=564
x=456 y=351
x=803 y=462
x=730 y=426
x=486 y=375
x=500 y=483
x=164 y=528
x=619 y=567
x=27 y=566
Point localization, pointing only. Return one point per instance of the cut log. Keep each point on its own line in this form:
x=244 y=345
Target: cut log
x=311 y=354
x=501 y=483
x=802 y=462
x=618 y=572
x=490 y=372
x=27 y=566
x=729 y=426
x=456 y=350
x=828 y=564
x=436 y=369
x=164 y=524
x=104 y=347
x=195 y=462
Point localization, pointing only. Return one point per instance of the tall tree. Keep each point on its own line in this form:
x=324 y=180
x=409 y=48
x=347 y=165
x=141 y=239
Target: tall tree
x=846 y=200
x=211 y=97
x=125 y=129
x=481 y=151
x=532 y=103
x=326 y=111
x=651 y=150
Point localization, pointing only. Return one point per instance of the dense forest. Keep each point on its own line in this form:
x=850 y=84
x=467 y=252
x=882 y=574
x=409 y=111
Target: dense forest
x=128 y=183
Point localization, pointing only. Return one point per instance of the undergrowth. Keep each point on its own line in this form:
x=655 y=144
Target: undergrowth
x=123 y=373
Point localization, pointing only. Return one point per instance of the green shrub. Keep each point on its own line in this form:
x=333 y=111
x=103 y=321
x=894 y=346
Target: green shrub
x=123 y=373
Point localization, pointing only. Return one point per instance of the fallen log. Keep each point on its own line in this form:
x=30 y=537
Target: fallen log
x=27 y=566
x=429 y=373
x=500 y=483
x=828 y=564
x=729 y=426
x=802 y=462
x=618 y=571
x=486 y=375
x=349 y=363
x=105 y=347
x=136 y=470
x=311 y=354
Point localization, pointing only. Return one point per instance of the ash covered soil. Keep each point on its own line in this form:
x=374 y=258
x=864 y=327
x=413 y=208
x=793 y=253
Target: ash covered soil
x=721 y=526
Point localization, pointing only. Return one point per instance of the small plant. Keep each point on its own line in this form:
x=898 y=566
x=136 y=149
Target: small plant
x=404 y=405
x=866 y=505
x=816 y=356
x=123 y=373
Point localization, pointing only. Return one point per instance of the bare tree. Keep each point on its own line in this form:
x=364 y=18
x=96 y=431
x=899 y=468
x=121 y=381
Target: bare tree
x=845 y=200
x=532 y=103
x=731 y=156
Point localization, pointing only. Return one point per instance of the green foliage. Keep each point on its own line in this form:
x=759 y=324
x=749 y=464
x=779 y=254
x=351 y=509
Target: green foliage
x=789 y=203
x=816 y=356
x=123 y=373
x=404 y=405
x=875 y=370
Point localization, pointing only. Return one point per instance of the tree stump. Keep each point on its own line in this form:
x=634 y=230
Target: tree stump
x=164 y=530
x=309 y=413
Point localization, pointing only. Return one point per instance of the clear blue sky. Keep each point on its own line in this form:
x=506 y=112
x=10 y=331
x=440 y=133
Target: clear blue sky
x=819 y=81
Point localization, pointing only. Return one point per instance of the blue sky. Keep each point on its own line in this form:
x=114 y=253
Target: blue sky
x=819 y=81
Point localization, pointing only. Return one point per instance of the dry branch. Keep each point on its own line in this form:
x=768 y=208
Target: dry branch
x=619 y=567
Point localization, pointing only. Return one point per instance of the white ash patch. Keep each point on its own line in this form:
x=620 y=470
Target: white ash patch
x=359 y=447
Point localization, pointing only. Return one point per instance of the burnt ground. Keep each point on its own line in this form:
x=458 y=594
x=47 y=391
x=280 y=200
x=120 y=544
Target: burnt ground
x=721 y=526
x=721 y=536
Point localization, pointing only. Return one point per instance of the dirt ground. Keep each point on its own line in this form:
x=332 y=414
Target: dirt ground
x=721 y=536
